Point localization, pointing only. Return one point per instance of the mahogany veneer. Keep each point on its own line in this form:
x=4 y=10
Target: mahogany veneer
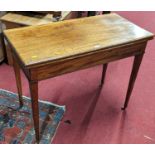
x=53 y=49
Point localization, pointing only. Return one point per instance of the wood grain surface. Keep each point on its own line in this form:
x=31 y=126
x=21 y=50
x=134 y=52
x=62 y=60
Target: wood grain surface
x=38 y=44
x=53 y=49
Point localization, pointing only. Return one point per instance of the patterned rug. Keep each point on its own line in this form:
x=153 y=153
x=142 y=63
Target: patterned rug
x=16 y=125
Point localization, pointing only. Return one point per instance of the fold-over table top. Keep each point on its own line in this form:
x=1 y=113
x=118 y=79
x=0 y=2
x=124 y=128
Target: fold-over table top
x=53 y=41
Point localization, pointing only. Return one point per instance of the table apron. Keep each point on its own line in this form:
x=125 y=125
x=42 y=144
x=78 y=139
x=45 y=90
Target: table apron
x=69 y=65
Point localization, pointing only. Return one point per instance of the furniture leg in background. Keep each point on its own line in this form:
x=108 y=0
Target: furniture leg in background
x=106 y=12
x=18 y=81
x=3 y=47
x=104 y=68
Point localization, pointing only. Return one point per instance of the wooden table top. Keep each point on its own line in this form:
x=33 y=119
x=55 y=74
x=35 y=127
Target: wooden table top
x=39 y=44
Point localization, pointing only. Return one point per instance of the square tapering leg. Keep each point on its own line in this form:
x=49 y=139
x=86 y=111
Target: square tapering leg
x=133 y=76
x=35 y=108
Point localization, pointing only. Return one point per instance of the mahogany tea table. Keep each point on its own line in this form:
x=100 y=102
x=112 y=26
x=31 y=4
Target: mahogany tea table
x=50 y=50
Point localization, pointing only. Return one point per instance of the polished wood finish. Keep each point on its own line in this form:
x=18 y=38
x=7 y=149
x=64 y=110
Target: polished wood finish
x=67 y=65
x=53 y=49
x=135 y=68
x=73 y=37
x=19 y=19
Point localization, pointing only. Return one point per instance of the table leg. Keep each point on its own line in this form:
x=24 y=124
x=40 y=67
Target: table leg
x=18 y=81
x=35 y=108
x=135 y=68
x=103 y=74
